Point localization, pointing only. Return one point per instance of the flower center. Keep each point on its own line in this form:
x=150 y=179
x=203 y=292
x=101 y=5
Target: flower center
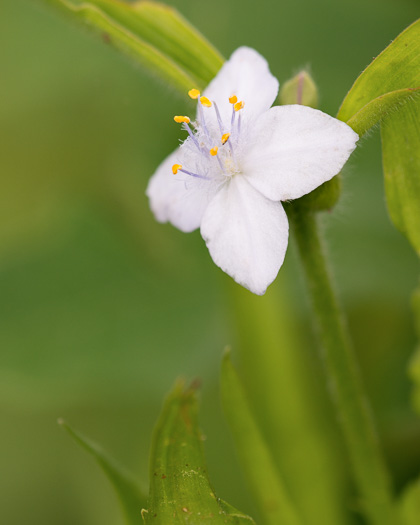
x=215 y=149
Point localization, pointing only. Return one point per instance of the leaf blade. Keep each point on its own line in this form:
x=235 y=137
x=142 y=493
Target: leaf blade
x=401 y=163
x=180 y=490
x=126 y=486
x=266 y=485
x=396 y=68
x=154 y=35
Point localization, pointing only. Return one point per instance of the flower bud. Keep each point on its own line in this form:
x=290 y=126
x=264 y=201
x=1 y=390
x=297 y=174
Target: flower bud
x=300 y=89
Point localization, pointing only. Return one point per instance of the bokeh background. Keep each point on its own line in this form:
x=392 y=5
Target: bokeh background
x=102 y=308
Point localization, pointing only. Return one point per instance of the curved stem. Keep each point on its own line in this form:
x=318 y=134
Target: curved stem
x=342 y=372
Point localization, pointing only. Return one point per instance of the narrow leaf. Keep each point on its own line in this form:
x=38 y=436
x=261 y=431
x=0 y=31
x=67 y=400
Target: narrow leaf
x=180 y=490
x=391 y=73
x=126 y=486
x=267 y=487
x=401 y=163
x=414 y=366
x=154 y=35
x=410 y=504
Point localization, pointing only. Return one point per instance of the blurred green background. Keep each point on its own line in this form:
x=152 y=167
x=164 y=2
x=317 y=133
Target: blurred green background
x=102 y=307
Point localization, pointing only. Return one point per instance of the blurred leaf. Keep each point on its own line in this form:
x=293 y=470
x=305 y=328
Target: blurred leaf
x=267 y=487
x=401 y=163
x=301 y=89
x=383 y=85
x=126 y=486
x=180 y=490
x=410 y=504
x=414 y=366
x=154 y=35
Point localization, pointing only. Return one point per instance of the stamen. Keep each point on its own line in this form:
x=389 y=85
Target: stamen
x=191 y=134
x=239 y=105
x=239 y=125
x=232 y=120
x=233 y=99
x=225 y=137
x=205 y=101
x=196 y=175
x=219 y=120
x=175 y=168
x=193 y=93
x=202 y=121
x=180 y=119
x=213 y=151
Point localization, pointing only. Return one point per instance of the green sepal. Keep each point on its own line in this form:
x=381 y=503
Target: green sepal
x=324 y=197
x=401 y=163
x=125 y=484
x=154 y=35
x=390 y=80
x=180 y=490
x=267 y=487
x=301 y=89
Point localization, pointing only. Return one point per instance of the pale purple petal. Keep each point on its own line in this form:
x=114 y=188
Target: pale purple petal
x=294 y=149
x=178 y=199
x=246 y=74
x=246 y=234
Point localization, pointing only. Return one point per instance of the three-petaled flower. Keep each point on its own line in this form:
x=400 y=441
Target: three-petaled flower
x=240 y=161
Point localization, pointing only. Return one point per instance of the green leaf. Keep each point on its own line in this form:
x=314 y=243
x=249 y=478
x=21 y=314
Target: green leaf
x=267 y=487
x=180 y=490
x=126 y=486
x=380 y=107
x=154 y=35
x=390 y=80
x=401 y=163
x=414 y=366
x=410 y=504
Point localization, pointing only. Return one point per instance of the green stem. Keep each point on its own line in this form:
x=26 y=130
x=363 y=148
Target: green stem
x=346 y=388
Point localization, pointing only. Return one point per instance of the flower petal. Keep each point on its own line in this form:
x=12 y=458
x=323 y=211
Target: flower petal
x=246 y=75
x=246 y=234
x=178 y=199
x=294 y=149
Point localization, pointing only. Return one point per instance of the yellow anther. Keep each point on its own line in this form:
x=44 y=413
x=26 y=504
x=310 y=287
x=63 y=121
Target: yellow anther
x=180 y=119
x=239 y=105
x=205 y=101
x=193 y=93
x=225 y=137
x=175 y=168
x=213 y=151
x=233 y=99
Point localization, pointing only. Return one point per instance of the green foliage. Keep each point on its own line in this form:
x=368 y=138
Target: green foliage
x=126 y=486
x=264 y=480
x=154 y=35
x=401 y=164
x=391 y=79
x=180 y=490
x=410 y=504
x=388 y=87
x=414 y=368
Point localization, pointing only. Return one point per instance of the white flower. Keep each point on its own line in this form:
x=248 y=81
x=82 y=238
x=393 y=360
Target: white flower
x=239 y=162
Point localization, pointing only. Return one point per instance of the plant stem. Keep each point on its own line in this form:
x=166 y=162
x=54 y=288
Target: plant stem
x=342 y=372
